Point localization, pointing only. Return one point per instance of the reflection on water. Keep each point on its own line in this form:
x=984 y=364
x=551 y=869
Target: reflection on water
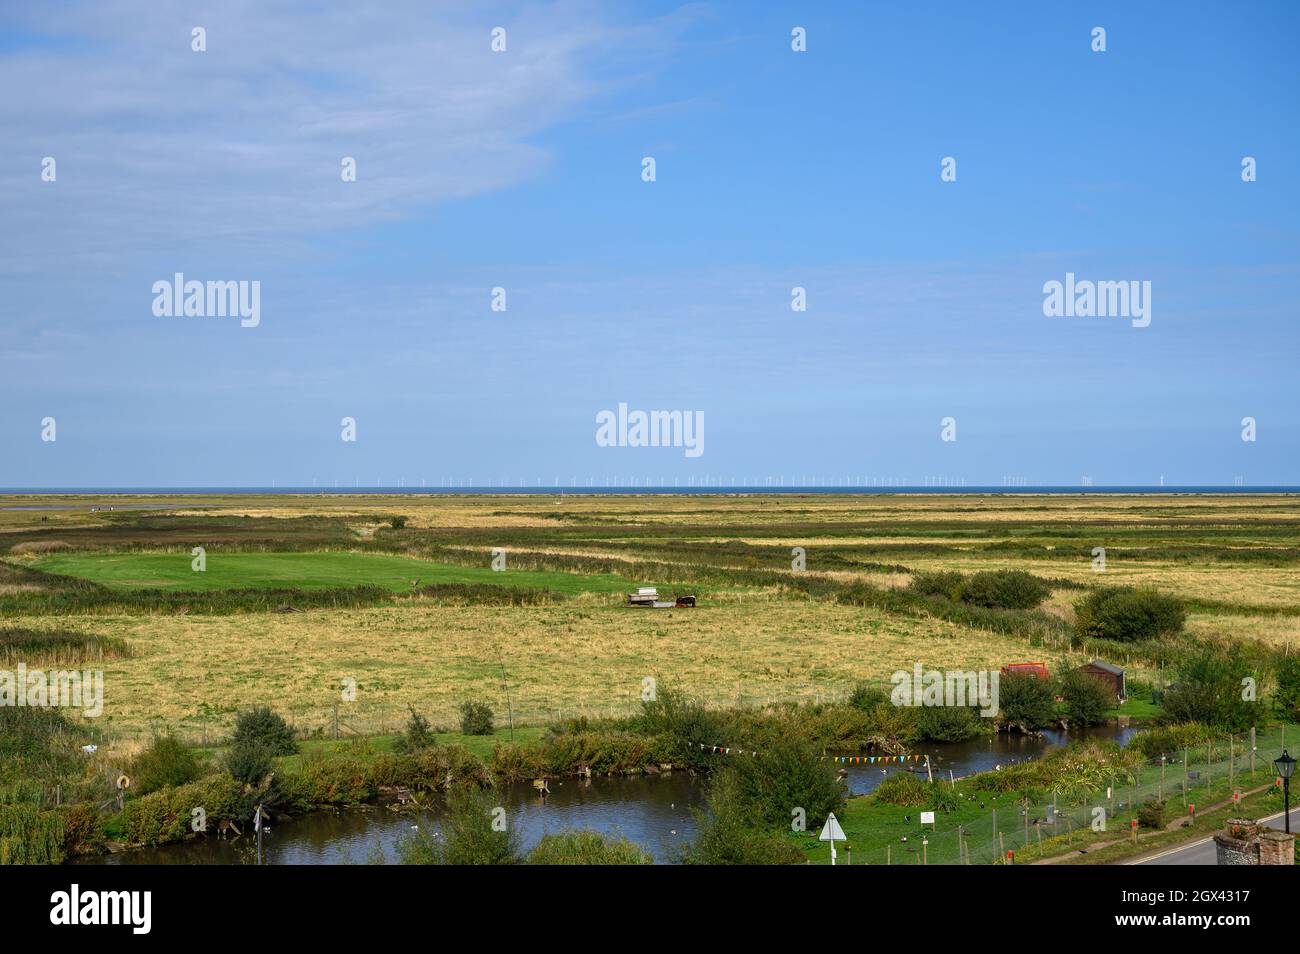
x=653 y=812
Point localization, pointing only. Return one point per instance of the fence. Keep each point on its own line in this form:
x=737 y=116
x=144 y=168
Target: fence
x=1177 y=778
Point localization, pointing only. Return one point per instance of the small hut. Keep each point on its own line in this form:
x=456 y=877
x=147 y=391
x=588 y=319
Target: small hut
x=1026 y=669
x=1109 y=675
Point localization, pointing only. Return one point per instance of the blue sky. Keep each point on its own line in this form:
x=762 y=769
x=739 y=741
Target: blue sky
x=774 y=169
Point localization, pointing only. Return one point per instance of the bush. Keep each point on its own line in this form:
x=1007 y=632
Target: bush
x=586 y=848
x=1209 y=690
x=167 y=761
x=1151 y=815
x=728 y=834
x=417 y=735
x=947 y=584
x=1004 y=589
x=262 y=725
x=1287 y=699
x=866 y=697
x=343 y=777
x=951 y=723
x=1026 y=701
x=467 y=835
x=30 y=836
x=82 y=834
x=1170 y=739
x=1128 y=615
x=603 y=751
x=168 y=814
x=788 y=773
x=685 y=724
x=397 y=523
x=475 y=718
x=250 y=762
x=903 y=789
x=1087 y=700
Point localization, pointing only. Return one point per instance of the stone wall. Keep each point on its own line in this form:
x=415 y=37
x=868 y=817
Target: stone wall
x=1246 y=842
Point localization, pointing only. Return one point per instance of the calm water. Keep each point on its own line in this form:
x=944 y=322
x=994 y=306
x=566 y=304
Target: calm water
x=654 y=812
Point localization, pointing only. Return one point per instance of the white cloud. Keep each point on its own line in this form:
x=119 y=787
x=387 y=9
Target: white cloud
x=159 y=147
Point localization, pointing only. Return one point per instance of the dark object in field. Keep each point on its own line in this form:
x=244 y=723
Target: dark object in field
x=286 y=608
x=649 y=596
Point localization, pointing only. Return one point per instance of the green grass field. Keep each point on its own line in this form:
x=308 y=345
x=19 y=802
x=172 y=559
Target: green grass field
x=224 y=571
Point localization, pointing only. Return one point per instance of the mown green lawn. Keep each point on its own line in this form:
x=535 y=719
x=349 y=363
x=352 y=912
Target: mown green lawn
x=307 y=570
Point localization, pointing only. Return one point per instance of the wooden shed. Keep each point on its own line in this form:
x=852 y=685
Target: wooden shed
x=1111 y=676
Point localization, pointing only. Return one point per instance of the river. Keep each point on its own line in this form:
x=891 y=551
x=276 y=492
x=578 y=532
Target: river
x=654 y=812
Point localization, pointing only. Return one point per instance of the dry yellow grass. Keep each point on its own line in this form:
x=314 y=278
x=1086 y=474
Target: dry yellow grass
x=587 y=655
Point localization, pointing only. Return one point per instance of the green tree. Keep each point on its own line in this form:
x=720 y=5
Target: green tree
x=1026 y=701
x=166 y=761
x=1086 y=700
x=260 y=724
x=1128 y=615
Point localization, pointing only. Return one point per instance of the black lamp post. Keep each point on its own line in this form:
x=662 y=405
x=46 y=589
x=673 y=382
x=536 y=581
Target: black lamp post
x=1285 y=768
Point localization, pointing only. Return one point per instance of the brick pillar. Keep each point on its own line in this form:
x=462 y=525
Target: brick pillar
x=1237 y=844
x=1276 y=848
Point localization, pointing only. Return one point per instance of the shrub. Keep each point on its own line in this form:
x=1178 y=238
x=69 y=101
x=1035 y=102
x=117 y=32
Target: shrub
x=512 y=762
x=30 y=836
x=1287 y=699
x=947 y=584
x=467 y=835
x=397 y=523
x=417 y=735
x=1087 y=700
x=1128 y=615
x=787 y=773
x=586 y=848
x=685 y=724
x=1170 y=739
x=167 y=814
x=729 y=835
x=1026 y=701
x=342 y=777
x=430 y=769
x=262 y=725
x=950 y=723
x=167 y=761
x=1209 y=690
x=475 y=718
x=943 y=798
x=866 y=697
x=604 y=751
x=82 y=834
x=1151 y=815
x=1004 y=589
x=903 y=789
x=250 y=762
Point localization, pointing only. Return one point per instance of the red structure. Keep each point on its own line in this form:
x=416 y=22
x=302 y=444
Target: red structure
x=1027 y=669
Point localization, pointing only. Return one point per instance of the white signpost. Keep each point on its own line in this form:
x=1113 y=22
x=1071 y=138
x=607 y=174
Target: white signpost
x=831 y=832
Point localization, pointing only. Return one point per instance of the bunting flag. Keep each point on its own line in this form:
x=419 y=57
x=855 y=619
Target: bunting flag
x=841 y=759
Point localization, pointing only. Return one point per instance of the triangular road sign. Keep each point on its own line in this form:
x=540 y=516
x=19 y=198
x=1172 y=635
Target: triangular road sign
x=831 y=831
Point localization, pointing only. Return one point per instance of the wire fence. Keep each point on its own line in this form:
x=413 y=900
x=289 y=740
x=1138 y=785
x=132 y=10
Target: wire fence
x=1177 y=778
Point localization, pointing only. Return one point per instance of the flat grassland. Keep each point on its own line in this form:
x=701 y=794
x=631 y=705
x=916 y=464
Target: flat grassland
x=761 y=631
